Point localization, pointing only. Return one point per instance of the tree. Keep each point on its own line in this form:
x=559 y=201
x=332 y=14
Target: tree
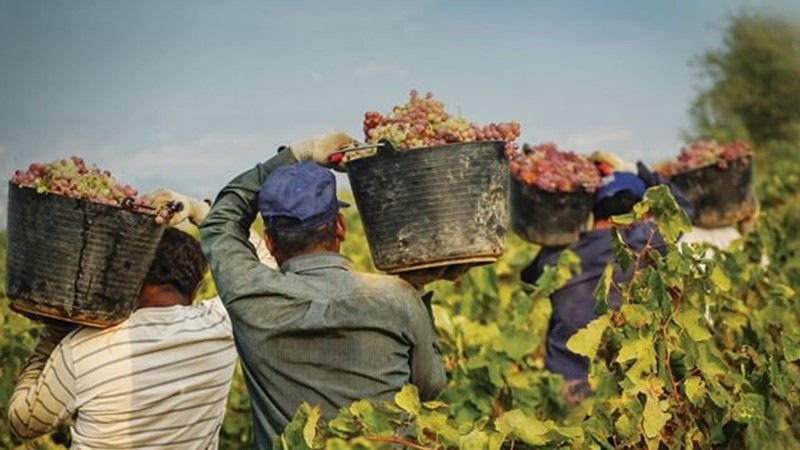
x=753 y=86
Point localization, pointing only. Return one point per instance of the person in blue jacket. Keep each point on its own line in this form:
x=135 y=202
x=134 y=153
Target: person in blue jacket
x=573 y=304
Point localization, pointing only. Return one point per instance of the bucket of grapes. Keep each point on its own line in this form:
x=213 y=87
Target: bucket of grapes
x=718 y=180
x=433 y=191
x=551 y=194
x=79 y=245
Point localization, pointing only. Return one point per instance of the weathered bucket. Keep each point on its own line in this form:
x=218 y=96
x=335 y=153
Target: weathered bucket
x=721 y=196
x=75 y=260
x=549 y=218
x=432 y=206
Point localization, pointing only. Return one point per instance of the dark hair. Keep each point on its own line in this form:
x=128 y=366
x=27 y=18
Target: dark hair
x=292 y=243
x=620 y=203
x=179 y=262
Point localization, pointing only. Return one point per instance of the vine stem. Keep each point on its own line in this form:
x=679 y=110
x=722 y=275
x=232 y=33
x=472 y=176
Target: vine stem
x=395 y=440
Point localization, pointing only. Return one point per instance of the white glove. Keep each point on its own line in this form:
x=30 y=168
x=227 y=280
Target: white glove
x=320 y=147
x=616 y=163
x=162 y=198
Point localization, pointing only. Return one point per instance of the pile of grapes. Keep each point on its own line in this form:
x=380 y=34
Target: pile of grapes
x=423 y=122
x=706 y=153
x=552 y=170
x=73 y=178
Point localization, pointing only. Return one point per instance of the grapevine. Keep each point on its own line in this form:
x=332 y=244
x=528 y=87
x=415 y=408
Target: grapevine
x=706 y=153
x=423 y=122
x=74 y=179
x=550 y=169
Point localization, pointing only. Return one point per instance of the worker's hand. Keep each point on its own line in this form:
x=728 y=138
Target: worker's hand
x=320 y=147
x=613 y=162
x=164 y=199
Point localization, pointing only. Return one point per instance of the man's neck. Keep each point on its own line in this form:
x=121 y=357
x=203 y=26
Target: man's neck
x=161 y=296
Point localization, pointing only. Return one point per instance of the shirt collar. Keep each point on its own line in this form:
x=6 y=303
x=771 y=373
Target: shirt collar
x=313 y=261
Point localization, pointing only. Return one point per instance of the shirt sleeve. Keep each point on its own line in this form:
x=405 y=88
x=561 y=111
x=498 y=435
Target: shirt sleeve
x=225 y=232
x=45 y=392
x=427 y=368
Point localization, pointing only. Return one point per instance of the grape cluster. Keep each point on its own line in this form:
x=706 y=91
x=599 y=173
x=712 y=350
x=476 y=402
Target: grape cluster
x=706 y=153
x=73 y=178
x=552 y=170
x=423 y=122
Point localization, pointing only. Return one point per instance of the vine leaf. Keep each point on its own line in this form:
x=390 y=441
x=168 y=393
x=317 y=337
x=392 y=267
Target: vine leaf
x=310 y=428
x=691 y=320
x=655 y=416
x=408 y=399
x=586 y=341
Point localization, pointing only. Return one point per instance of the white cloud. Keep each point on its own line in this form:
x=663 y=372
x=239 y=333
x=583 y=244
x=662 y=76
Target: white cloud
x=379 y=69
x=597 y=138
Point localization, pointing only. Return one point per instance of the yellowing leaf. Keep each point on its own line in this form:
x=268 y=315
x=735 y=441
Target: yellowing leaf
x=408 y=399
x=655 y=416
x=640 y=348
x=529 y=429
x=586 y=341
x=720 y=279
x=310 y=428
x=691 y=320
x=695 y=390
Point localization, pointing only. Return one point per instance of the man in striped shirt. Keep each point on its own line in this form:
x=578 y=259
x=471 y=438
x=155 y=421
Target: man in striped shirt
x=159 y=380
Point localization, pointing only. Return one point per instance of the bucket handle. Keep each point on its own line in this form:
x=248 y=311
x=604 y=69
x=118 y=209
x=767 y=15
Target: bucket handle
x=358 y=152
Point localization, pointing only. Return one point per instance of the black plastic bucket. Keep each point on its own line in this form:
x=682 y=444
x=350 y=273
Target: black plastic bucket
x=549 y=218
x=432 y=206
x=74 y=260
x=721 y=196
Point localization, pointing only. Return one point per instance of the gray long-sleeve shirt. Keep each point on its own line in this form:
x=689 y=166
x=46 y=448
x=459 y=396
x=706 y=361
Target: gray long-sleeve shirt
x=315 y=331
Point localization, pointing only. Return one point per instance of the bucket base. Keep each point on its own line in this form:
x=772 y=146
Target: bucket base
x=472 y=260
x=37 y=311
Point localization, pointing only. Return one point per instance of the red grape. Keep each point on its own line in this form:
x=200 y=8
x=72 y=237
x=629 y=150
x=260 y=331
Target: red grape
x=423 y=122
x=550 y=169
x=72 y=178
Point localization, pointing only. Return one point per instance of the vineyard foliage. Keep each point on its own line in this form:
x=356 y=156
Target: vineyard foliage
x=702 y=354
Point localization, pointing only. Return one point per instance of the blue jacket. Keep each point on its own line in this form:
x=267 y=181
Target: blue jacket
x=573 y=304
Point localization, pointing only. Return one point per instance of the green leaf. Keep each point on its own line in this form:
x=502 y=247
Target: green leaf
x=671 y=218
x=622 y=254
x=720 y=279
x=310 y=428
x=529 y=429
x=691 y=320
x=516 y=343
x=695 y=390
x=636 y=315
x=639 y=348
x=623 y=219
x=791 y=346
x=438 y=423
x=655 y=416
x=750 y=408
x=408 y=399
x=586 y=341
x=603 y=289
x=476 y=440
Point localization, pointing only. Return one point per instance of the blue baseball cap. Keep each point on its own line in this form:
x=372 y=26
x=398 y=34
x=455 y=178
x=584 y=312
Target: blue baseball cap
x=305 y=192
x=618 y=182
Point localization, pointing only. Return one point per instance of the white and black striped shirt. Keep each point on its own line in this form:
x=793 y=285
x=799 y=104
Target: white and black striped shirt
x=159 y=380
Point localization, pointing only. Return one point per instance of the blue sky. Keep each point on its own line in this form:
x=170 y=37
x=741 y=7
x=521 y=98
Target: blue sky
x=187 y=93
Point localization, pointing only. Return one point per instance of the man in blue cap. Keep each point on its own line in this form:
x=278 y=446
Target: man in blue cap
x=573 y=304
x=312 y=330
